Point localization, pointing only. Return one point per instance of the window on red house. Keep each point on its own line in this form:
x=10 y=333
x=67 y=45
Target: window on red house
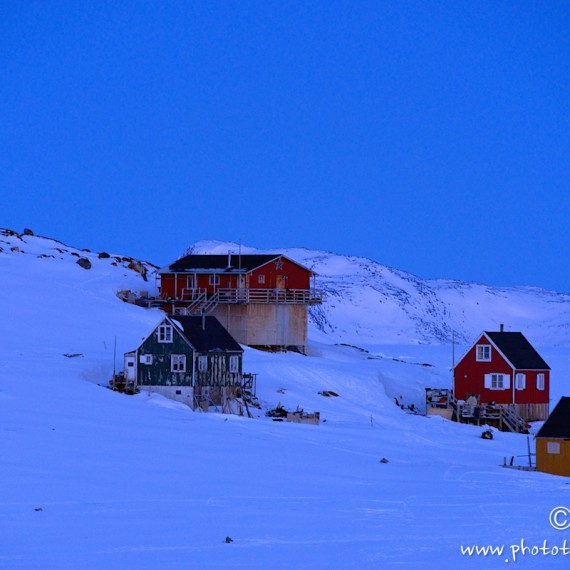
x=497 y=381
x=483 y=353
x=520 y=381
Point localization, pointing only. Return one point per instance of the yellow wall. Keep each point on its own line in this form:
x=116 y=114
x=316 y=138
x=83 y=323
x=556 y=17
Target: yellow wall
x=555 y=463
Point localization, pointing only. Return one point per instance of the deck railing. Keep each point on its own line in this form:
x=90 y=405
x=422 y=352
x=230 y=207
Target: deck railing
x=261 y=296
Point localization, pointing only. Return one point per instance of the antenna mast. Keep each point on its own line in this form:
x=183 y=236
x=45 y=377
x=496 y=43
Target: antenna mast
x=115 y=358
x=452 y=352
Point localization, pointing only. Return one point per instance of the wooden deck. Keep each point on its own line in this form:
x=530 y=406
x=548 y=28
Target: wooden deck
x=442 y=402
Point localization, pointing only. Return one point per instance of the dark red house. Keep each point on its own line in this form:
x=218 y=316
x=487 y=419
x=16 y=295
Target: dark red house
x=228 y=275
x=262 y=300
x=503 y=367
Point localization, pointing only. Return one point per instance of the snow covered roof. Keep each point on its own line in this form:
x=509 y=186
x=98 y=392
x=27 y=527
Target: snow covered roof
x=558 y=423
x=516 y=348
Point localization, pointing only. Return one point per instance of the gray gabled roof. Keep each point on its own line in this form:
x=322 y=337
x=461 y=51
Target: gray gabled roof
x=558 y=423
x=207 y=335
x=235 y=263
x=516 y=348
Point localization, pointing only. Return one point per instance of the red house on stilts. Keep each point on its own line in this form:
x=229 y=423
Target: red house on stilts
x=262 y=300
x=504 y=368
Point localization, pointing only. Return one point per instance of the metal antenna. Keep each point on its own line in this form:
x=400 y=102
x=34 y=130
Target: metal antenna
x=115 y=359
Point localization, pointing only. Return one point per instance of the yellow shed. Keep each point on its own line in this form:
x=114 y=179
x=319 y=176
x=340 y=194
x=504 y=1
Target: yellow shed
x=553 y=441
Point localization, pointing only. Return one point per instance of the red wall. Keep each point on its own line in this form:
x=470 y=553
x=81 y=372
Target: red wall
x=295 y=277
x=530 y=395
x=469 y=378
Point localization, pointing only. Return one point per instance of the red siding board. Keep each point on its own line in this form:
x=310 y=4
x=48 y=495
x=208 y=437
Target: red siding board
x=295 y=277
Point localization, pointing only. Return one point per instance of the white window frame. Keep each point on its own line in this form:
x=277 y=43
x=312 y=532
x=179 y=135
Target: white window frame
x=261 y=279
x=234 y=363
x=540 y=381
x=178 y=363
x=483 y=353
x=497 y=381
x=202 y=363
x=214 y=280
x=146 y=359
x=520 y=381
x=164 y=334
x=553 y=447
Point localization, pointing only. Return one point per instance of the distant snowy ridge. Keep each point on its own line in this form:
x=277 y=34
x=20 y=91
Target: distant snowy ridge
x=369 y=303
x=27 y=243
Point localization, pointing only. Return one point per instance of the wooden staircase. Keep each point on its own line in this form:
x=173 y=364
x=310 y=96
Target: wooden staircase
x=512 y=420
x=199 y=306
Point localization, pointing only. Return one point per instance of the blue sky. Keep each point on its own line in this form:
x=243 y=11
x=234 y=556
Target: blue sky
x=429 y=136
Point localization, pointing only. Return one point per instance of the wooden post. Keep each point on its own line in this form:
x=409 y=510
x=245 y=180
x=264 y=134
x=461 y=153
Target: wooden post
x=115 y=360
x=528 y=447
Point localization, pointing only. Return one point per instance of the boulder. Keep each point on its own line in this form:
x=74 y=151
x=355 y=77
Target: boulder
x=139 y=267
x=84 y=262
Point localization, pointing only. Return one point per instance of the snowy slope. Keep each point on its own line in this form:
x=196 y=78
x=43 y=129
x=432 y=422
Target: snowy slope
x=94 y=479
x=369 y=303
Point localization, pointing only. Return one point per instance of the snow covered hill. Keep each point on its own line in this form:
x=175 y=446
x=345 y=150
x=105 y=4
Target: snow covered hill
x=369 y=303
x=94 y=479
x=393 y=314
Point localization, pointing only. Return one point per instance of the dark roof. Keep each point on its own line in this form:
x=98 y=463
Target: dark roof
x=518 y=350
x=219 y=263
x=558 y=423
x=213 y=337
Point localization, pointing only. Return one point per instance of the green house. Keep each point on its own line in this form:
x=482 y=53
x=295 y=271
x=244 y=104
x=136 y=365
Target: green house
x=193 y=360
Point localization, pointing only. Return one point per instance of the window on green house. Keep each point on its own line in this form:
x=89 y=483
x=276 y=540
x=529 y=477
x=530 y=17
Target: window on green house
x=164 y=333
x=178 y=363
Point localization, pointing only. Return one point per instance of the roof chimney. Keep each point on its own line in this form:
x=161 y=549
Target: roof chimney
x=502 y=327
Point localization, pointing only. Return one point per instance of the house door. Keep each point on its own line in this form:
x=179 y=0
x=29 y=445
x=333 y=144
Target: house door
x=130 y=368
x=241 y=288
x=280 y=281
